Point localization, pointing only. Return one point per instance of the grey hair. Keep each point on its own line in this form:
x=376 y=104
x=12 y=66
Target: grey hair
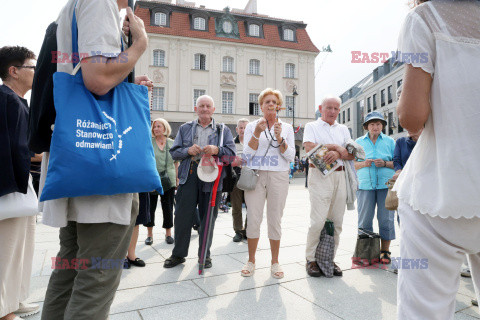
x=242 y=120
x=203 y=97
x=329 y=97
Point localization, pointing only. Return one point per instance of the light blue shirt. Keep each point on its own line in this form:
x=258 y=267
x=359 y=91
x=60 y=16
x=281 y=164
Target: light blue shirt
x=373 y=178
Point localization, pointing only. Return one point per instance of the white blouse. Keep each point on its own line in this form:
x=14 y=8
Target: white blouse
x=441 y=177
x=274 y=160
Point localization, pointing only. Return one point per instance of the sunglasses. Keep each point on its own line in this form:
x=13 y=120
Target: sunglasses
x=28 y=67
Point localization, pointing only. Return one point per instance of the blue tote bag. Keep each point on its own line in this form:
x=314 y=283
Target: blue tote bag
x=101 y=145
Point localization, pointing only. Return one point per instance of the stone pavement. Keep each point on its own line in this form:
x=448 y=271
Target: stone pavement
x=180 y=293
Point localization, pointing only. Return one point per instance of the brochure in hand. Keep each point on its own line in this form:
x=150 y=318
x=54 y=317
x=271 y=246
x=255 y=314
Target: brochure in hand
x=316 y=157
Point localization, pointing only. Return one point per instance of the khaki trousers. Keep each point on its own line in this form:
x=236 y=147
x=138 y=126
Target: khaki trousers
x=85 y=294
x=328 y=198
x=236 y=199
x=273 y=187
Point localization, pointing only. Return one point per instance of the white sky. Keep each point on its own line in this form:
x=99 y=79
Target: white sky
x=346 y=25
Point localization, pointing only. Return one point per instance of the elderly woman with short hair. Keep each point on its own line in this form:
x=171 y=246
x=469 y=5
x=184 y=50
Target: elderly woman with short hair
x=166 y=166
x=373 y=173
x=269 y=148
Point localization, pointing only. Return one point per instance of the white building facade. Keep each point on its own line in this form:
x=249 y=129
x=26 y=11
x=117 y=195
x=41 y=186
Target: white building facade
x=229 y=55
x=376 y=92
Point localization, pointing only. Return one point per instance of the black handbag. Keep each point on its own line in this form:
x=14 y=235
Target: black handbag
x=367 y=249
x=42 y=111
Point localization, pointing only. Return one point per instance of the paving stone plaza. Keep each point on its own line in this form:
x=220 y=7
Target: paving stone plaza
x=154 y=292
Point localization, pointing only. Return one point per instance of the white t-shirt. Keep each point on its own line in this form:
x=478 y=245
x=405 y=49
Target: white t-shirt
x=99 y=32
x=320 y=132
x=274 y=160
x=441 y=177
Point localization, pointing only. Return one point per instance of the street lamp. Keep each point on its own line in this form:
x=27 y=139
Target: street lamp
x=294 y=94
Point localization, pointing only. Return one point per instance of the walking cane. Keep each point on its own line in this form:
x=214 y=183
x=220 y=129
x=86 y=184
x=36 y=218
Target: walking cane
x=131 y=76
x=208 y=223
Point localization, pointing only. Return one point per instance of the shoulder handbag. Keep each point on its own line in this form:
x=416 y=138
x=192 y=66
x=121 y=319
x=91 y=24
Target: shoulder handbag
x=248 y=176
x=391 y=201
x=101 y=145
x=16 y=204
x=166 y=182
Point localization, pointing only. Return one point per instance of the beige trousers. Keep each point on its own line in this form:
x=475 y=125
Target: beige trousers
x=17 y=243
x=328 y=198
x=273 y=187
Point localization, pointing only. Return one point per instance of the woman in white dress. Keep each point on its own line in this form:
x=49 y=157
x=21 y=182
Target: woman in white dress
x=439 y=187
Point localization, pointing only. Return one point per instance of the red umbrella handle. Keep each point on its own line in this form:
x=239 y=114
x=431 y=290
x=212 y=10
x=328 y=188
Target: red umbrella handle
x=215 y=185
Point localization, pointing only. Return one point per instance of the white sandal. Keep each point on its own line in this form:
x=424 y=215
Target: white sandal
x=248 y=269
x=277 y=271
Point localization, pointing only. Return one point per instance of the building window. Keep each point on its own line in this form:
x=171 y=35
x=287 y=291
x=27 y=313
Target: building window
x=197 y=93
x=289 y=70
x=158 y=99
x=390 y=123
x=199 y=23
x=343 y=115
x=254 y=67
x=290 y=108
x=288 y=35
x=227 y=65
x=200 y=61
x=389 y=93
x=399 y=83
x=254 y=30
x=339 y=118
x=382 y=97
x=253 y=108
x=160 y=19
x=369 y=105
x=227 y=102
x=348 y=114
x=400 y=128
x=374 y=102
x=159 y=58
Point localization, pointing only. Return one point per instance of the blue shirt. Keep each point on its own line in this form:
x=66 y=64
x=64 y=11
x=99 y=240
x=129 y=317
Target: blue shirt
x=373 y=178
x=403 y=149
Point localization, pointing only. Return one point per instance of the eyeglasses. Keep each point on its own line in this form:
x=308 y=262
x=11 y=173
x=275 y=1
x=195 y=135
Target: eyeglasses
x=29 y=67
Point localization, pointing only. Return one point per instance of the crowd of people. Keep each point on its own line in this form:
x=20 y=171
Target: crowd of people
x=432 y=169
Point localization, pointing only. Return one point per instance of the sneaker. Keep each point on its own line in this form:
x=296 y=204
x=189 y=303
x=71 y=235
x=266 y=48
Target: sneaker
x=466 y=273
x=27 y=309
x=173 y=261
x=238 y=237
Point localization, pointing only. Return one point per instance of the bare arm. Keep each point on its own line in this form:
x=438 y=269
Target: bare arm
x=99 y=78
x=37 y=158
x=414 y=106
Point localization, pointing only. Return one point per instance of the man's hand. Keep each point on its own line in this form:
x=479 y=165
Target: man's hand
x=194 y=150
x=238 y=162
x=331 y=156
x=277 y=131
x=210 y=150
x=135 y=25
x=380 y=163
x=144 y=81
x=260 y=127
